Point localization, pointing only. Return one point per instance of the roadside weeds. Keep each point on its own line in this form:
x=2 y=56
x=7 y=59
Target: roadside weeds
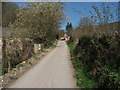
x=83 y=81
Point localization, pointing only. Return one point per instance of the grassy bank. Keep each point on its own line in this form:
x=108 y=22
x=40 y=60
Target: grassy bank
x=83 y=81
x=97 y=56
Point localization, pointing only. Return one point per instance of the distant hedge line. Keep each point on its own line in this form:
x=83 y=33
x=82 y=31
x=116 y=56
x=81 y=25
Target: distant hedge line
x=99 y=56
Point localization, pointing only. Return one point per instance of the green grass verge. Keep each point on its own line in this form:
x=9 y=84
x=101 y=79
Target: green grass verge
x=83 y=81
x=71 y=46
x=49 y=44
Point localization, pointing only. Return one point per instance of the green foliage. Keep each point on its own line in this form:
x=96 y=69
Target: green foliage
x=83 y=81
x=13 y=77
x=49 y=44
x=38 y=21
x=60 y=33
x=20 y=65
x=4 y=70
x=71 y=46
x=0 y=66
x=0 y=71
x=9 y=10
x=69 y=27
x=35 y=21
x=14 y=52
x=99 y=55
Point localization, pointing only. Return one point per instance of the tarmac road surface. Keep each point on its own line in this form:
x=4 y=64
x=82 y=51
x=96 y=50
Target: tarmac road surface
x=53 y=71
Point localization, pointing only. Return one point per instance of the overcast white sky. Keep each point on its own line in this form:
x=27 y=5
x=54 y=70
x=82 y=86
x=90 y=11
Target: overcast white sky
x=60 y=0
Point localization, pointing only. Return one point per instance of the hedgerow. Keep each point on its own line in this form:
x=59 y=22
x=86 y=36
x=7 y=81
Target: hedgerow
x=99 y=57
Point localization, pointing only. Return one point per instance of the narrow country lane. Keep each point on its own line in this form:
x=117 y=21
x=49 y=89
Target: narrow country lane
x=53 y=71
